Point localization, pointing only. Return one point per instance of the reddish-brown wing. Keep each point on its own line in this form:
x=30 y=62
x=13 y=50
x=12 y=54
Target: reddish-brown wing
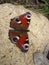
x=22 y=22
x=20 y=39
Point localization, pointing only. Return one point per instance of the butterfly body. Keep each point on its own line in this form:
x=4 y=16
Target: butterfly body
x=19 y=35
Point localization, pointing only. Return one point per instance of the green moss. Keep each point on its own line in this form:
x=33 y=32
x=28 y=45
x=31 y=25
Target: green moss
x=44 y=9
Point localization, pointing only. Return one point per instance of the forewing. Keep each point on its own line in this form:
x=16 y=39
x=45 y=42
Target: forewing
x=22 y=22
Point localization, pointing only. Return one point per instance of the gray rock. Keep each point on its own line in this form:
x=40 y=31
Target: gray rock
x=40 y=59
x=46 y=51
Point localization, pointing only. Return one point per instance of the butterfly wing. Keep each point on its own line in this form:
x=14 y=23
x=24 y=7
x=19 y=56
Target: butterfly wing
x=20 y=39
x=22 y=22
x=19 y=34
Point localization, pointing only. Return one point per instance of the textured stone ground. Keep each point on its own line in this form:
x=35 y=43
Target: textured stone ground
x=40 y=59
x=10 y=54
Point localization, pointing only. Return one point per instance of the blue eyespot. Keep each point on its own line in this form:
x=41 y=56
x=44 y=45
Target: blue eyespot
x=17 y=20
x=15 y=39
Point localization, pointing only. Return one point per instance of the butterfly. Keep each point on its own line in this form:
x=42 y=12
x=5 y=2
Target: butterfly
x=18 y=34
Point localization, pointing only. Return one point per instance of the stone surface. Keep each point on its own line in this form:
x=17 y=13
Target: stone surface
x=40 y=59
x=46 y=51
x=10 y=54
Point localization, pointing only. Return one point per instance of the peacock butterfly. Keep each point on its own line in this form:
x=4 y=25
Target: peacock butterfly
x=18 y=34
